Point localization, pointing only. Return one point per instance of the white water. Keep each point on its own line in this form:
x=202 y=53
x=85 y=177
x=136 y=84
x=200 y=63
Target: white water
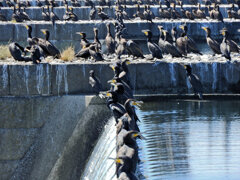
x=62 y=76
x=5 y=75
x=99 y=166
x=26 y=77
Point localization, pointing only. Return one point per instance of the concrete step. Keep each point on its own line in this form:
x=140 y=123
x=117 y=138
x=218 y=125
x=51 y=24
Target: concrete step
x=35 y=13
x=64 y=31
x=128 y=2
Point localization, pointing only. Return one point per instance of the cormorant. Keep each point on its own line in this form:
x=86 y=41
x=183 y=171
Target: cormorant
x=52 y=50
x=29 y=39
x=95 y=82
x=53 y=16
x=25 y=15
x=75 y=3
x=213 y=44
x=233 y=45
x=190 y=43
x=182 y=44
x=45 y=16
x=174 y=13
x=109 y=41
x=161 y=42
x=16 y=51
x=170 y=48
x=116 y=108
x=39 y=3
x=124 y=13
x=15 y=16
x=102 y=15
x=133 y=49
x=2 y=16
x=163 y=13
x=174 y=34
x=9 y=3
x=121 y=45
x=83 y=53
x=102 y=2
x=224 y=47
x=139 y=14
x=147 y=14
x=183 y=12
x=96 y=40
x=194 y=81
x=94 y=52
x=92 y=14
x=200 y=13
x=72 y=15
x=36 y=53
x=84 y=42
x=152 y=47
x=217 y=14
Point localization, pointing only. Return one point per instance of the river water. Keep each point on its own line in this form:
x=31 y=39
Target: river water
x=190 y=140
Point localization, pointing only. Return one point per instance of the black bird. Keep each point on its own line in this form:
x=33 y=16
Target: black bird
x=163 y=13
x=2 y=16
x=102 y=15
x=36 y=54
x=88 y=3
x=72 y=15
x=133 y=49
x=102 y=3
x=233 y=45
x=29 y=39
x=161 y=42
x=190 y=43
x=66 y=16
x=147 y=14
x=16 y=51
x=170 y=48
x=217 y=14
x=84 y=42
x=116 y=108
x=25 y=15
x=95 y=82
x=39 y=3
x=139 y=14
x=9 y=3
x=52 y=50
x=121 y=45
x=96 y=40
x=152 y=47
x=124 y=13
x=109 y=41
x=200 y=13
x=94 y=52
x=53 y=16
x=130 y=105
x=83 y=53
x=45 y=16
x=174 y=34
x=224 y=47
x=15 y=16
x=213 y=44
x=194 y=81
x=92 y=14
x=75 y=3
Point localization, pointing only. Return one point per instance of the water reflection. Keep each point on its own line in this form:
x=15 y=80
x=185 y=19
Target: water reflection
x=190 y=140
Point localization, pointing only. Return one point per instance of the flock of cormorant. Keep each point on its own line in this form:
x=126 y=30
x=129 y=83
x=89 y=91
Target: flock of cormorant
x=175 y=43
x=122 y=105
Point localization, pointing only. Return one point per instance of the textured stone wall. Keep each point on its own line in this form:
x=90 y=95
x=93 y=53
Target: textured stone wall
x=149 y=77
x=48 y=137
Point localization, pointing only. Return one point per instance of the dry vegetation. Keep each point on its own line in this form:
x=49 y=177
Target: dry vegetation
x=68 y=54
x=4 y=52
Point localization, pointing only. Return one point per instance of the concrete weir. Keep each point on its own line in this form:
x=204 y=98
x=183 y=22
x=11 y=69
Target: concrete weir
x=48 y=125
x=48 y=137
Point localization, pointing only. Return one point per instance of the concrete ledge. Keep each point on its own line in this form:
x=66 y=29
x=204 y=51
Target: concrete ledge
x=83 y=12
x=67 y=30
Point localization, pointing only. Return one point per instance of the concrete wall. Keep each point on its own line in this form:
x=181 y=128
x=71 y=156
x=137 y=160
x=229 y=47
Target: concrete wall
x=48 y=137
x=72 y=78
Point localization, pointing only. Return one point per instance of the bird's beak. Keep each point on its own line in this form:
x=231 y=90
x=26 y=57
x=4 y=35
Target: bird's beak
x=119 y=161
x=27 y=27
x=137 y=103
x=79 y=33
x=181 y=27
x=128 y=62
x=112 y=81
x=109 y=94
x=43 y=31
x=113 y=68
x=135 y=135
x=185 y=66
x=146 y=33
x=223 y=33
x=204 y=28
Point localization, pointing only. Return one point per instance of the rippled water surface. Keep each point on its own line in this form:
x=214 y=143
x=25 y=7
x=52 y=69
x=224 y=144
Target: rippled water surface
x=190 y=140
